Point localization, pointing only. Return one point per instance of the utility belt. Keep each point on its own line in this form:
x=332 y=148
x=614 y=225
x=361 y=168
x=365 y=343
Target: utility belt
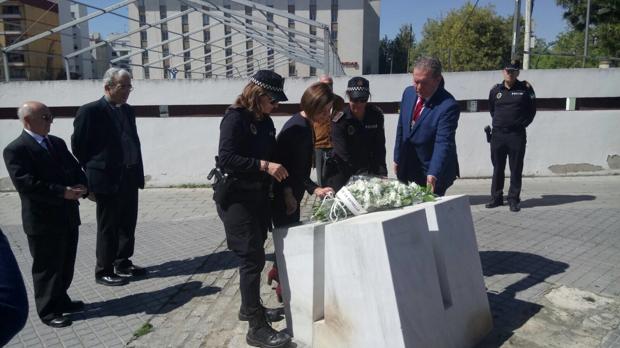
x=228 y=187
x=510 y=129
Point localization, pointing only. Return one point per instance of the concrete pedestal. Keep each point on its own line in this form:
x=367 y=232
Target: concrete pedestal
x=402 y=278
x=300 y=256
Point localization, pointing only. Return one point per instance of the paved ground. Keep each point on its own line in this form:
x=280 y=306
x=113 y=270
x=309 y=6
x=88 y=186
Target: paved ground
x=552 y=271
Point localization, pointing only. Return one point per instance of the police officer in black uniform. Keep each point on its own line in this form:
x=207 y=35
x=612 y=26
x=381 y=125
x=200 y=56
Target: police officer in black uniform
x=512 y=104
x=358 y=138
x=246 y=148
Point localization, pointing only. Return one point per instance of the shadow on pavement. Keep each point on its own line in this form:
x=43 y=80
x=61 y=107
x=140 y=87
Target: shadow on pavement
x=479 y=199
x=154 y=302
x=510 y=313
x=221 y=260
x=549 y=200
x=543 y=201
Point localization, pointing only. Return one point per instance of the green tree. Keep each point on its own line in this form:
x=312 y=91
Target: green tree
x=604 y=31
x=394 y=54
x=468 y=39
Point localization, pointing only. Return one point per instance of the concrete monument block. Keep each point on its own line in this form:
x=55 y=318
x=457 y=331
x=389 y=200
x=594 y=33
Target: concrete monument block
x=300 y=256
x=468 y=317
x=381 y=284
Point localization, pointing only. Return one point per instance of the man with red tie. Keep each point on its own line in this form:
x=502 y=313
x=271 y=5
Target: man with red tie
x=50 y=182
x=425 y=148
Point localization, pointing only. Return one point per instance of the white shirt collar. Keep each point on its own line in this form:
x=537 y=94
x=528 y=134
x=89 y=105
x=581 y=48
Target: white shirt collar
x=37 y=137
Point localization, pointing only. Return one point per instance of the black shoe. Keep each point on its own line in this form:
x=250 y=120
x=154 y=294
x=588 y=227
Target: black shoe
x=514 y=206
x=494 y=204
x=131 y=271
x=272 y=314
x=261 y=334
x=112 y=280
x=58 y=321
x=73 y=306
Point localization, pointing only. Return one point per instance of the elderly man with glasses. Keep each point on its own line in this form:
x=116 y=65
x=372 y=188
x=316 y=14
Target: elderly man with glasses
x=50 y=182
x=105 y=141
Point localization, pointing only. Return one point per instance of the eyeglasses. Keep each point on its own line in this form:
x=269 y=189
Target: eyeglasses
x=47 y=117
x=359 y=100
x=271 y=101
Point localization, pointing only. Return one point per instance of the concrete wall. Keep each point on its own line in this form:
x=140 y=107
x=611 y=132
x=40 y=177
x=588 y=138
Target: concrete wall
x=181 y=150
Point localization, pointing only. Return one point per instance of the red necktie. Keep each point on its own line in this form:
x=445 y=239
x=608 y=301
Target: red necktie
x=417 y=110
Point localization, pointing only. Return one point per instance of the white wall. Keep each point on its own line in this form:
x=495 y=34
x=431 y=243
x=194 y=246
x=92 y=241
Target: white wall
x=181 y=150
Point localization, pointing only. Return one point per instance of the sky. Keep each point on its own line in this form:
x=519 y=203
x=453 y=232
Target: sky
x=547 y=16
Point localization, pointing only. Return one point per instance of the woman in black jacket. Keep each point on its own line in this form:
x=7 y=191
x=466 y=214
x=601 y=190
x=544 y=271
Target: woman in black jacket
x=294 y=149
x=246 y=149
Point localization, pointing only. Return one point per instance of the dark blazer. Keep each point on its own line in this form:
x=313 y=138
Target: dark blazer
x=96 y=142
x=429 y=148
x=41 y=181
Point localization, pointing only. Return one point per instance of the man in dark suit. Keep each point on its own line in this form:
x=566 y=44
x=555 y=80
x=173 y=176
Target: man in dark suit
x=50 y=182
x=425 y=149
x=106 y=143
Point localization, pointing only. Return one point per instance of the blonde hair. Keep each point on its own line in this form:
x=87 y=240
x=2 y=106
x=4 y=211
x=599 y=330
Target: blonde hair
x=316 y=98
x=250 y=99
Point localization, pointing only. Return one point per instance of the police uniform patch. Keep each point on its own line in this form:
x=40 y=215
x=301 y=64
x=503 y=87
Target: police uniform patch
x=253 y=129
x=372 y=126
x=350 y=130
x=499 y=95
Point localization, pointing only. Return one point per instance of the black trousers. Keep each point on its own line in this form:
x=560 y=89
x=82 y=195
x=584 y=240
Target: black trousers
x=117 y=215
x=246 y=224
x=509 y=144
x=320 y=158
x=53 y=262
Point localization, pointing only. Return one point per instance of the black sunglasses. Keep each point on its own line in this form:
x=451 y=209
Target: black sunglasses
x=47 y=117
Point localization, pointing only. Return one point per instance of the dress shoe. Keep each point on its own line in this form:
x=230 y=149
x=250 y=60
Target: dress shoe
x=514 y=206
x=73 y=306
x=57 y=321
x=271 y=314
x=493 y=204
x=130 y=271
x=112 y=280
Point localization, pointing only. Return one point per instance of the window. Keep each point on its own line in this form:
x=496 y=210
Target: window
x=312 y=9
x=162 y=11
x=10 y=10
x=187 y=68
x=145 y=57
x=334 y=10
x=291 y=68
x=18 y=73
x=16 y=58
x=205 y=19
x=185 y=42
x=312 y=71
x=12 y=24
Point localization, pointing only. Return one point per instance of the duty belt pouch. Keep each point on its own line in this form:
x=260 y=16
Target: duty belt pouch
x=222 y=190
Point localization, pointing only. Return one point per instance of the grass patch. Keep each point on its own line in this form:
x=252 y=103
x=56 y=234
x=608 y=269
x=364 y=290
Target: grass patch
x=143 y=330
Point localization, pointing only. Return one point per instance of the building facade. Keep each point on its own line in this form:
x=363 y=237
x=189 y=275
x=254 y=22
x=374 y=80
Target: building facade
x=207 y=49
x=75 y=38
x=41 y=59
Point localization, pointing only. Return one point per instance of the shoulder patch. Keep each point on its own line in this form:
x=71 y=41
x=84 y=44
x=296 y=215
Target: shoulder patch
x=338 y=116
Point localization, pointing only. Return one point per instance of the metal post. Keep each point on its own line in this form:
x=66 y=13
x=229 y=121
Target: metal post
x=585 y=43
x=528 y=34
x=5 y=62
x=326 y=52
x=67 y=72
x=515 y=29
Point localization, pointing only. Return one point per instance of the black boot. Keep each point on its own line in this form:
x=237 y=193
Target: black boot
x=261 y=334
x=273 y=314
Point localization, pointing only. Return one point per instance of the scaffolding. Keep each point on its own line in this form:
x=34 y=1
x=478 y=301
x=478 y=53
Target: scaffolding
x=282 y=43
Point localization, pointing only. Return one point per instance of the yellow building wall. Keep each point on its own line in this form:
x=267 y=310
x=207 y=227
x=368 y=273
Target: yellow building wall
x=42 y=58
